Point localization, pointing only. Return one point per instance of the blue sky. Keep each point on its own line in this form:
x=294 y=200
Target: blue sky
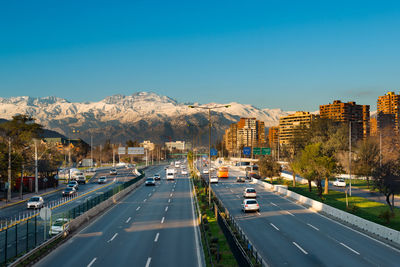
x=293 y=55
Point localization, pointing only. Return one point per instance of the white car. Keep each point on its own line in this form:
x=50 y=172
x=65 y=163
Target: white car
x=150 y=181
x=58 y=226
x=250 y=193
x=339 y=182
x=102 y=180
x=205 y=171
x=184 y=172
x=113 y=172
x=35 y=202
x=250 y=205
x=214 y=179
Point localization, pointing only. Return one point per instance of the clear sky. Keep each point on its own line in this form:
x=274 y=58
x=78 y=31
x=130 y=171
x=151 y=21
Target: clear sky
x=293 y=55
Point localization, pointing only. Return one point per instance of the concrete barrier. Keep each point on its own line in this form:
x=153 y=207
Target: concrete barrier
x=368 y=226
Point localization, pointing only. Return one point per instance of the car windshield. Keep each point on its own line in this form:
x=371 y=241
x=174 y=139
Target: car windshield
x=251 y=190
x=251 y=202
x=68 y=189
x=34 y=199
x=150 y=179
x=102 y=178
x=341 y=180
x=59 y=223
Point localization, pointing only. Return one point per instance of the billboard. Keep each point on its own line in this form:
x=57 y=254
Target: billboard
x=121 y=150
x=135 y=150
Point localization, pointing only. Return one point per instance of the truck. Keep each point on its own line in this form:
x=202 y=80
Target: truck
x=170 y=173
x=79 y=177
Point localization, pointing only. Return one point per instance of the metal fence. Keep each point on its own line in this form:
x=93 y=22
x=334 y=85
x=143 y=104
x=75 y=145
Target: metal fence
x=25 y=234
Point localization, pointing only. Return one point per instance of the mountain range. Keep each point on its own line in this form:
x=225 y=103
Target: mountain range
x=140 y=116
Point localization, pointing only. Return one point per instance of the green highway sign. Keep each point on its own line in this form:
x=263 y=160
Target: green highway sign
x=265 y=151
x=257 y=151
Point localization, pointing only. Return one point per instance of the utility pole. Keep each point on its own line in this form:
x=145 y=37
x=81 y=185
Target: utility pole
x=380 y=148
x=113 y=149
x=9 y=170
x=21 y=183
x=36 y=169
x=91 y=149
x=350 y=155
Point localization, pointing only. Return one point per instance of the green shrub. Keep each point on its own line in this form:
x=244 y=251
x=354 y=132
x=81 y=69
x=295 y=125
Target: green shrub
x=386 y=215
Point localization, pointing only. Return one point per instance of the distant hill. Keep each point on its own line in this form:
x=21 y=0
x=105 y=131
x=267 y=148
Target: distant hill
x=46 y=133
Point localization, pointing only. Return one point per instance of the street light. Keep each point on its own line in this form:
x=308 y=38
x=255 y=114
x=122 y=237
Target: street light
x=209 y=143
x=350 y=152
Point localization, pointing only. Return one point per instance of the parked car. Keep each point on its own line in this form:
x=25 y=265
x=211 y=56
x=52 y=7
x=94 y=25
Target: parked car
x=69 y=191
x=73 y=184
x=58 y=226
x=339 y=182
x=240 y=179
x=213 y=179
x=150 y=181
x=250 y=193
x=35 y=202
x=250 y=205
x=113 y=172
x=157 y=177
x=184 y=172
x=102 y=180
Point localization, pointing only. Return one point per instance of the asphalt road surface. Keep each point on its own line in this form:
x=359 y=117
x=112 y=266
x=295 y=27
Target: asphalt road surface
x=152 y=226
x=287 y=234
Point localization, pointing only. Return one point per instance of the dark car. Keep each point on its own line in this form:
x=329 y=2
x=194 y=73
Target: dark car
x=240 y=179
x=69 y=191
x=157 y=177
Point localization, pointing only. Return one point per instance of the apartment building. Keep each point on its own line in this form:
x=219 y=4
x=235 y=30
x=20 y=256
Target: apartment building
x=358 y=115
x=291 y=125
x=388 y=107
x=273 y=136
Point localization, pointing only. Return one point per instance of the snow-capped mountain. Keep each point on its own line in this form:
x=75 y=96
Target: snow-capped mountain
x=142 y=115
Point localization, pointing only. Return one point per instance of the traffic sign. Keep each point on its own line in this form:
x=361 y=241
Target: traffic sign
x=247 y=151
x=45 y=213
x=265 y=151
x=213 y=152
x=257 y=151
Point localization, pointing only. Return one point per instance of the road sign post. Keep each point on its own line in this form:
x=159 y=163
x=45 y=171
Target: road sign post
x=247 y=150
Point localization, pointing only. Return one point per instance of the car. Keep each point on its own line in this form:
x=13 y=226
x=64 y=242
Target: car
x=35 y=202
x=213 y=179
x=102 y=180
x=184 y=172
x=73 y=184
x=340 y=182
x=240 y=179
x=157 y=177
x=113 y=172
x=150 y=181
x=249 y=193
x=250 y=205
x=205 y=171
x=81 y=179
x=58 y=226
x=69 y=191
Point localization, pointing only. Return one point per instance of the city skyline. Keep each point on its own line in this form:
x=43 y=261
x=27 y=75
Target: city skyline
x=291 y=55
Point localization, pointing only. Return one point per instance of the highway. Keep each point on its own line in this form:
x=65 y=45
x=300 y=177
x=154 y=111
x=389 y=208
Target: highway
x=152 y=226
x=287 y=234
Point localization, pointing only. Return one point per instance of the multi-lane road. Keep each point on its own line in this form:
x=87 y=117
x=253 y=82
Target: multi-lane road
x=287 y=234
x=152 y=226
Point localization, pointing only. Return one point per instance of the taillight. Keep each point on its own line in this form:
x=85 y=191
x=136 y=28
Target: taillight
x=257 y=205
x=246 y=205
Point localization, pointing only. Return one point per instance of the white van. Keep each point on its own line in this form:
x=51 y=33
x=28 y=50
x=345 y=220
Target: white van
x=170 y=174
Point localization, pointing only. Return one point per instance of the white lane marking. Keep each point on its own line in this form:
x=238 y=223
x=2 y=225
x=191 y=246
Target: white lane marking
x=288 y=212
x=274 y=204
x=349 y=248
x=150 y=195
x=162 y=220
x=112 y=238
x=148 y=262
x=196 y=228
x=91 y=263
x=231 y=190
x=313 y=226
x=145 y=200
x=169 y=200
x=138 y=208
x=302 y=250
x=274 y=226
x=128 y=220
x=237 y=196
x=166 y=208
x=258 y=213
x=170 y=195
x=154 y=190
x=156 y=239
x=173 y=190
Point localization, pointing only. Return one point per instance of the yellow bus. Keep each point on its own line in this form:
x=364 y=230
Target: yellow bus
x=223 y=172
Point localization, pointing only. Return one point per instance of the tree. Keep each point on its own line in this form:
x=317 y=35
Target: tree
x=268 y=167
x=387 y=180
x=367 y=158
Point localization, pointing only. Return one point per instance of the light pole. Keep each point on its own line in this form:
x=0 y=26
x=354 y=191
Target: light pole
x=350 y=154
x=209 y=143
x=9 y=170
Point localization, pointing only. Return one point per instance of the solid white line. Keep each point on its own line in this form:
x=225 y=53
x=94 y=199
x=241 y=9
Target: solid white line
x=128 y=220
x=162 y=220
x=349 y=248
x=274 y=226
x=302 y=250
x=166 y=208
x=196 y=229
x=289 y=213
x=138 y=208
x=150 y=195
x=156 y=239
x=313 y=226
x=148 y=262
x=112 y=238
x=274 y=204
x=90 y=264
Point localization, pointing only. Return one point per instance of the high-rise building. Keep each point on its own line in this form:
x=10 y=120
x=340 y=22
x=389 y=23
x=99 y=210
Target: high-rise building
x=373 y=124
x=389 y=112
x=273 y=136
x=358 y=115
x=291 y=125
x=230 y=137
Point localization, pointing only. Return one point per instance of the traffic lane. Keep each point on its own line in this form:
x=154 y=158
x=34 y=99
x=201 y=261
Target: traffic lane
x=92 y=243
x=177 y=242
x=342 y=239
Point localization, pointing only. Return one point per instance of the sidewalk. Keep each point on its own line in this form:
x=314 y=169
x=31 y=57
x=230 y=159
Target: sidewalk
x=15 y=199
